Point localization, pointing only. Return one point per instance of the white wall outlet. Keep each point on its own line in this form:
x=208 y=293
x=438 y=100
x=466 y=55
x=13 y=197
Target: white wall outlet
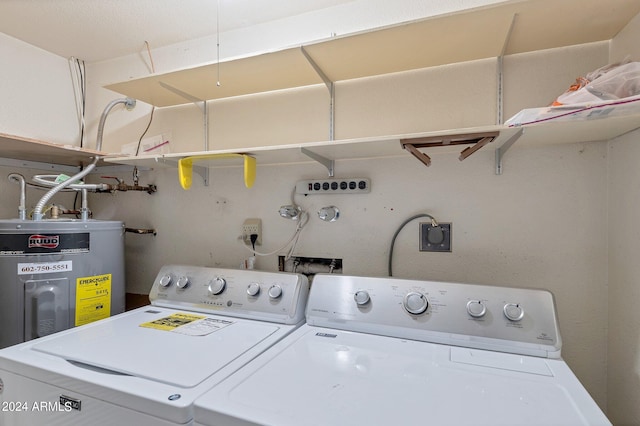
x=249 y=227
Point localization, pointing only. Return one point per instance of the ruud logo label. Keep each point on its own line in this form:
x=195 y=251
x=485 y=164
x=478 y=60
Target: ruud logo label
x=44 y=241
x=35 y=244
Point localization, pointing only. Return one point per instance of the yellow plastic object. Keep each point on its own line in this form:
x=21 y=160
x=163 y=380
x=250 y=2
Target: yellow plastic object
x=185 y=168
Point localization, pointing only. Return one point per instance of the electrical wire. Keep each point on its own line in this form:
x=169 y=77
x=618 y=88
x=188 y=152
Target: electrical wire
x=393 y=240
x=75 y=200
x=302 y=219
x=153 y=108
x=293 y=241
x=78 y=71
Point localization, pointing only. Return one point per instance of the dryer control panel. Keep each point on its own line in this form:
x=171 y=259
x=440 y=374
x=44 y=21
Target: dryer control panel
x=269 y=296
x=505 y=319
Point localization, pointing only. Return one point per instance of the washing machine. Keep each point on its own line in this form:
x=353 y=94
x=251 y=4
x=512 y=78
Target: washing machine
x=147 y=366
x=385 y=351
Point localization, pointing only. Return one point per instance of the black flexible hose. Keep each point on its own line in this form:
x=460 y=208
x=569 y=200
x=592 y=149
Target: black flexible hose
x=393 y=240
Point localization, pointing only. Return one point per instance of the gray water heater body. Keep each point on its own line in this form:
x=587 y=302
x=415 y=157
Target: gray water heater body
x=57 y=274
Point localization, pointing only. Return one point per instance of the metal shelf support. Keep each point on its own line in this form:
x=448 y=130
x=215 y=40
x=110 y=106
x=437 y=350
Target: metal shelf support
x=332 y=92
x=504 y=148
x=329 y=164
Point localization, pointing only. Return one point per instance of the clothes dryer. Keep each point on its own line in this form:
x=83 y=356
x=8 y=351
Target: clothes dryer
x=384 y=351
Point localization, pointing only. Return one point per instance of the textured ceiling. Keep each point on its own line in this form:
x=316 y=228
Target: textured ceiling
x=95 y=30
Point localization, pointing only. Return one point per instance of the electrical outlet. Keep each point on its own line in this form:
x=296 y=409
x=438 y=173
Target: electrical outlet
x=436 y=238
x=252 y=226
x=334 y=186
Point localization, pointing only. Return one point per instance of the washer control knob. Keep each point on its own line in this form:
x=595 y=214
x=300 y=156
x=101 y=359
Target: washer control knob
x=513 y=311
x=217 y=285
x=415 y=303
x=476 y=308
x=253 y=289
x=275 y=291
x=165 y=280
x=361 y=297
x=183 y=282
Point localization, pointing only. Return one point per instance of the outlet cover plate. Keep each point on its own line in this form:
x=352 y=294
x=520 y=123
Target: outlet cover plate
x=435 y=238
x=252 y=226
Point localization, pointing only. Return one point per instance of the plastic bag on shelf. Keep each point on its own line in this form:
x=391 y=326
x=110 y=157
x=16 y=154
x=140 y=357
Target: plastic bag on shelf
x=610 y=90
x=614 y=81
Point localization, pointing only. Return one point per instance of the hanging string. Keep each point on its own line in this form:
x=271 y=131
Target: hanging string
x=218 y=41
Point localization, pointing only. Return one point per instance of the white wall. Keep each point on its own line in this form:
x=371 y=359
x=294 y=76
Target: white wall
x=37 y=102
x=624 y=275
x=623 y=374
x=37 y=94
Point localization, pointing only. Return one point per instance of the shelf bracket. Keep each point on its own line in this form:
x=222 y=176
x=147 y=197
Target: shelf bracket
x=478 y=140
x=504 y=148
x=329 y=164
x=202 y=104
x=500 y=72
x=332 y=92
x=200 y=170
x=199 y=102
x=186 y=168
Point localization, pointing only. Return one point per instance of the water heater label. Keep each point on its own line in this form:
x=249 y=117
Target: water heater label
x=44 y=267
x=93 y=298
x=21 y=244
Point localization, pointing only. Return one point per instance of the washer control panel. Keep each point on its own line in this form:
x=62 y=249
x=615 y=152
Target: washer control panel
x=506 y=319
x=270 y=296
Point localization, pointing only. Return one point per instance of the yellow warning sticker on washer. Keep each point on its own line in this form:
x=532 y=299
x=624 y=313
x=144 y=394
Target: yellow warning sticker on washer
x=93 y=298
x=172 y=322
x=189 y=324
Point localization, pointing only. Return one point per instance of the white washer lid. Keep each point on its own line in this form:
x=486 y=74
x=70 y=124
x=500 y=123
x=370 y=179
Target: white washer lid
x=319 y=376
x=138 y=345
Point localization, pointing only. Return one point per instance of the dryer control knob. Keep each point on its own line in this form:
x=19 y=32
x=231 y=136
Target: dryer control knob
x=165 y=280
x=217 y=285
x=513 y=311
x=476 y=308
x=415 y=303
x=253 y=289
x=361 y=297
x=275 y=291
x=183 y=282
